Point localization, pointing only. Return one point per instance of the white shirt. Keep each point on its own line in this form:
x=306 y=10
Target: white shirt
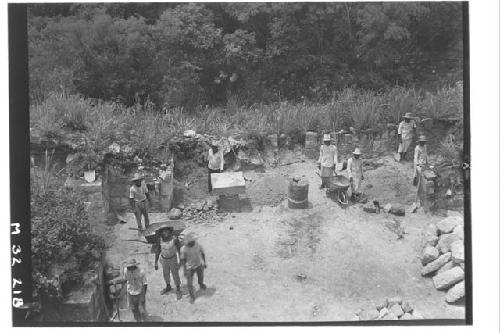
x=136 y=279
x=138 y=193
x=355 y=167
x=420 y=157
x=406 y=129
x=328 y=156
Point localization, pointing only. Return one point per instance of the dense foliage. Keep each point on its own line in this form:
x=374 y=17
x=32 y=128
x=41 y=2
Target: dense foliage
x=62 y=242
x=235 y=54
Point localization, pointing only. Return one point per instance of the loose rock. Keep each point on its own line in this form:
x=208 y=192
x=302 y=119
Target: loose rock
x=448 y=278
x=387 y=208
x=445 y=241
x=431 y=240
x=397 y=310
x=407 y=316
x=456 y=292
x=447 y=225
x=370 y=208
x=175 y=214
x=383 y=312
x=457 y=252
x=436 y=264
x=432 y=230
x=429 y=254
x=417 y=315
x=398 y=210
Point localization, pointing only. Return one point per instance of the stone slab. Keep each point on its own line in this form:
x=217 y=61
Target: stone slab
x=228 y=183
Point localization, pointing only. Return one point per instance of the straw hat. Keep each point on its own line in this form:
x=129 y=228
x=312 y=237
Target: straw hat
x=189 y=237
x=326 y=137
x=131 y=262
x=137 y=176
x=422 y=138
x=357 y=151
x=407 y=115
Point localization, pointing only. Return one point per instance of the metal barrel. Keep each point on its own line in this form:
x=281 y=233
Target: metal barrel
x=298 y=192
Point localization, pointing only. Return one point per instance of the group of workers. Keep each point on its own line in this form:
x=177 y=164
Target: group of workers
x=172 y=255
x=328 y=160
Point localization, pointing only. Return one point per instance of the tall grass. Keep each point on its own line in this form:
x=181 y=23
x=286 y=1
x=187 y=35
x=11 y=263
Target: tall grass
x=145 y=128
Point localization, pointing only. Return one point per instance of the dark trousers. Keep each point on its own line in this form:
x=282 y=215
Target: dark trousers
x=137 y=304
x=190 y=274
x=140 y=211
x=210 y=171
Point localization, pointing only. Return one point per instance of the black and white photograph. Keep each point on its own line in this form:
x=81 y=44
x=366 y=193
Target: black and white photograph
x=295 y=163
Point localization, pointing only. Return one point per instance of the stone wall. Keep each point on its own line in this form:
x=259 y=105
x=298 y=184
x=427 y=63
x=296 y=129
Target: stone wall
x=85 y=303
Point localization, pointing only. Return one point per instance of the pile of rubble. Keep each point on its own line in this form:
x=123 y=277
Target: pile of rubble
x=393 y=308
x=443 y=256
x=204 y=211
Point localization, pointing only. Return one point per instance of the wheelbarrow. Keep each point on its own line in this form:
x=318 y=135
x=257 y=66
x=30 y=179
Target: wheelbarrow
x=338 y=186
x=153 y=230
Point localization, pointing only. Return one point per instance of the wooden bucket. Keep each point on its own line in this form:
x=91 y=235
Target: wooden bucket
x=298 y=191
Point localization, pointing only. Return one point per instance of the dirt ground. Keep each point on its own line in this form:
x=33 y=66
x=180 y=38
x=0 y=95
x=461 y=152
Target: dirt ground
x=318 y=264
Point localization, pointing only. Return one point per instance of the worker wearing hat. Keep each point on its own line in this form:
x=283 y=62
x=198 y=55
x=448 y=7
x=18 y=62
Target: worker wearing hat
x=328 y=159
x=137 y=196
x=194 y=261
x=405 y=134
x=355 y=172
x=420 y=163
x=167 y=251
x=136 y=289
x=215 y=162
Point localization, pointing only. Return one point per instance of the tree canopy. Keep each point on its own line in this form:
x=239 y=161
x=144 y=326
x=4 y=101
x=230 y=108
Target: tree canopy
x=190 y=54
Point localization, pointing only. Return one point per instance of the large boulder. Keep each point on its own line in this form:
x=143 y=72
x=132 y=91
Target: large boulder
x=429 y=254
x=447 y=225
x=445 y=241
x=436 y=264
x=456 y=292
x=390 y=316
x=457 y=251
x=449 y=265
x=459 y=231
x=448 y=278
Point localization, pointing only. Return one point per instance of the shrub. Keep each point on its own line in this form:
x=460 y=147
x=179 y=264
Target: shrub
x=60 y=236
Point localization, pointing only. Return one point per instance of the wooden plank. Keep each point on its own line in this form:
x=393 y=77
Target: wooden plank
x=228 y=183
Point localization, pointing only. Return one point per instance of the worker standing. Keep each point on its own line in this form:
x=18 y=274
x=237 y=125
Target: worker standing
x=420 y=163
x=167 y=251
x=194 y=261
x=405 y=134
x=215 y=163
x=327 y=161
x=138 y=195
x=355 y=172
x=136 y=289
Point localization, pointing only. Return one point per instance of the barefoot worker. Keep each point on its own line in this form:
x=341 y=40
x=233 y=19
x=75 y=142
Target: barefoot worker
x=215 y=163
x=328 y=159
x=138 y=195
x=167 y=250
x=355 y=172
x=405 y=134
x=420 y=163
x=136 y=289
x=193 y=260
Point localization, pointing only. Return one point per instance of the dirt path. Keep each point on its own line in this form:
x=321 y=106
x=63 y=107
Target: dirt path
x=322 y=263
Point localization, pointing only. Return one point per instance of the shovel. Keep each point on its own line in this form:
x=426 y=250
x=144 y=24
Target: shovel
x=397 y=155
